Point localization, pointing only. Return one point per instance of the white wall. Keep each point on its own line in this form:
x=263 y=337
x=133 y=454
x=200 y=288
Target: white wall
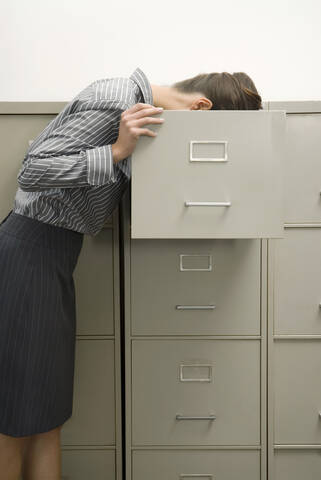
x=51 y=49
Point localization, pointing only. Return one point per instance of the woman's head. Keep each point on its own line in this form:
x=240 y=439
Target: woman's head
x=226 y=91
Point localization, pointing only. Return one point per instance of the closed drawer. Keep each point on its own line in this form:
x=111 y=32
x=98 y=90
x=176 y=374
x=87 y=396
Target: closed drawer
x=297 y=464
x=195 y=287
x=94 y=283
x=297 y=282
x=174 y=381
x=297 y=374
x=196 y=465
x=302 y=168
x=237 y=172
x=93 y=418
x=86 y=464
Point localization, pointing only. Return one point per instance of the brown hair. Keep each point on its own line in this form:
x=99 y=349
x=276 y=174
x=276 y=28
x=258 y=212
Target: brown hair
x=227 y=91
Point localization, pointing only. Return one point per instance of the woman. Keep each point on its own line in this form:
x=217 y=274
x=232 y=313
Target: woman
x=72 y=177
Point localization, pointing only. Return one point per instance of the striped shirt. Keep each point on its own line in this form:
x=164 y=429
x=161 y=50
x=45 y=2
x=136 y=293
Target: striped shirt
x=68 y=177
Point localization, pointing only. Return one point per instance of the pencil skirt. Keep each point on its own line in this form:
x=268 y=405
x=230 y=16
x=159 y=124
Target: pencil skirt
x=37 y=324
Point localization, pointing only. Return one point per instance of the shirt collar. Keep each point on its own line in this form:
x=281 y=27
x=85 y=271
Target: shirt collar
x=139 y=77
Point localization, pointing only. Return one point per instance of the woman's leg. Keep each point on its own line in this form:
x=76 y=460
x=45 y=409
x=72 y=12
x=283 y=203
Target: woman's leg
x=42 y=458
x=11 y=456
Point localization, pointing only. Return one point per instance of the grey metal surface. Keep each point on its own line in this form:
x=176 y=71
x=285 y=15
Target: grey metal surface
x=158 y=395
x=160 y=289
x=196 y=464
x=303 y=106
x=164 y=179
x=297 y=280
x=93 y=419
x=86 y=464
x=297 y=464
x=302 y=168
x=31 y=108
x=94 y=283
x=297 y=373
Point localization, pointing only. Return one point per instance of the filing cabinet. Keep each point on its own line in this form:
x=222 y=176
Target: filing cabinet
x=223 y=326
x=197 y=331
x=195 y=356
x=91 y=439
x=294 y=300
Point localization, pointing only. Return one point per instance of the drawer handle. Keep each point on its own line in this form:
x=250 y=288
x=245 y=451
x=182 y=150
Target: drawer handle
x=195 y=307
x=207 y=204
x=209 y=476
x=217 y=159
x=188 y=417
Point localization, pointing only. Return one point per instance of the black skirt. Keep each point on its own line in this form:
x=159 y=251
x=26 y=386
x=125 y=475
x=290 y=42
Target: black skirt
x=37 y=324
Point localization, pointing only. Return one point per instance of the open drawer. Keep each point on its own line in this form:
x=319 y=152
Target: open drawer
x=210 y=174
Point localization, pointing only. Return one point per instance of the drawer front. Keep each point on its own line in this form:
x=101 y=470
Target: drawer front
x=174 y=380
x=297 y=464
x=94 y=283
x=86 y=464
x=297 y=374
x=196 y=465
x=93 y=418
x=302 y=168
x=297 y=282
x=195 y=287
x=240 y=176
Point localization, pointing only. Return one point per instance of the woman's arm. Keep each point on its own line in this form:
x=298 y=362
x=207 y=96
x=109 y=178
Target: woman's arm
x=76 y=153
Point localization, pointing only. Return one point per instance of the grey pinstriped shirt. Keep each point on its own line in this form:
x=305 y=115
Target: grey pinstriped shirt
x=68 y=177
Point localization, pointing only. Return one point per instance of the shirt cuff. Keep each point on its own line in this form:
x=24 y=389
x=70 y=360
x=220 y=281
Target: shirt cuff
x=100 y=165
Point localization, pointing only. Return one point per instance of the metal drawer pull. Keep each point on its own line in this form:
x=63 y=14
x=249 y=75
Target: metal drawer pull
x=195 y=307
x=187 y=417
x=209 y=476
x=320 y=414
x=204 y=159
x=207 y=204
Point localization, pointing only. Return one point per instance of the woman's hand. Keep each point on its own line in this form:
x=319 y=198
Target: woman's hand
x=130 y=128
